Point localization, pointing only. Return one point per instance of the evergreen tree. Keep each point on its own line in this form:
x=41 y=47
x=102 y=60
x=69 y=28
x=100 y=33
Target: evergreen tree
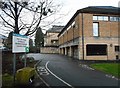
x=30 y=43
x=8 y=41
x=32 y=48
x=39 y=38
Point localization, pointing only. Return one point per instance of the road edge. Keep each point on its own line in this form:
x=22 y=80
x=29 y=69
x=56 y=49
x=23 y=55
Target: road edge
x=35 y=66
x=46 y=66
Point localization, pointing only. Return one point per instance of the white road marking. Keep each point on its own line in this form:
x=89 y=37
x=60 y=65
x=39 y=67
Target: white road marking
x=86 y=67
x=111 y=76
x=57 y=76
x=44 y=73
x=42 y=70
x=39 y=75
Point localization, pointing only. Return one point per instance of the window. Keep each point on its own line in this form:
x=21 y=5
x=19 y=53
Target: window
x=117 y=48
x=101 y=18
x=68 y=28
x=117 y=57
x=115 y=19
x=94 y=49
x=95 y=17
x=54 y=41
x=73 y=23
x=119 y=19
x=95 y=29
x=105 y=18
x=74 y=26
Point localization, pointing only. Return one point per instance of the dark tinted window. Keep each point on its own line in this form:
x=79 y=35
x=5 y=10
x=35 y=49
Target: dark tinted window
x=96 y=50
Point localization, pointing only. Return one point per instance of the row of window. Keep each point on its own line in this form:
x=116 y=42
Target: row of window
x=102 y=18
x=95 y=29
x=98 y=49
x=96 y=25
x=73 y=25
x=106 y=18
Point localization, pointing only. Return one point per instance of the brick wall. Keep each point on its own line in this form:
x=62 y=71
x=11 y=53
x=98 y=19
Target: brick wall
x=108 y=34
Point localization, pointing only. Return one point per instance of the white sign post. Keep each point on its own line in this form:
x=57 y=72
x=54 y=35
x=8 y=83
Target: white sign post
x=20 y=44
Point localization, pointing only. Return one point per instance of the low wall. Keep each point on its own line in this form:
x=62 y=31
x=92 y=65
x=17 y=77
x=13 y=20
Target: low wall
x=49 y=50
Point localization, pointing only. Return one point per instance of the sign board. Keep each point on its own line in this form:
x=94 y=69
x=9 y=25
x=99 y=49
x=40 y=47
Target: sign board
x=20 y=43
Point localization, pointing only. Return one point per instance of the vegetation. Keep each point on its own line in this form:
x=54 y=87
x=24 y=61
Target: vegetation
x=109 y=68
x=7 y=80
x=8 y=41
x=32 y=49
x=7 y=67
x=39 y=39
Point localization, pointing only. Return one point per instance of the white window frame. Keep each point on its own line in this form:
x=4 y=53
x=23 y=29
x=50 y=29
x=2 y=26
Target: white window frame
x=96 y=29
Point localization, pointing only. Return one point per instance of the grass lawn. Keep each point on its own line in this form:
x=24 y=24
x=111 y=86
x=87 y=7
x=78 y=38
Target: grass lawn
x=109 y=68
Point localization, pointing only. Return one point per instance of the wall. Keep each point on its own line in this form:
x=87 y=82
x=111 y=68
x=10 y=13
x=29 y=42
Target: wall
x=108 y=34
x=52 y=50
x=49 y=37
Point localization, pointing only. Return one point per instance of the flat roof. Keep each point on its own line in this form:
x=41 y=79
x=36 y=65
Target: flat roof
x=93 y=9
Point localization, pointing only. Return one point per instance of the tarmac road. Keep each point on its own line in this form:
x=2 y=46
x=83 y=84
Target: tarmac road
x=58 y=70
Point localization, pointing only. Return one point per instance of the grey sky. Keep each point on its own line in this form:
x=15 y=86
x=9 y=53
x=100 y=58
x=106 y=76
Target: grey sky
x=71 y=6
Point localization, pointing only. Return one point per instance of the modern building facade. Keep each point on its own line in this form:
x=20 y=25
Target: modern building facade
x=92 y=34
x=51 y=40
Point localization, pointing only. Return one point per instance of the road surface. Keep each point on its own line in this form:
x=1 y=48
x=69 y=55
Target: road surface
x=58 y=70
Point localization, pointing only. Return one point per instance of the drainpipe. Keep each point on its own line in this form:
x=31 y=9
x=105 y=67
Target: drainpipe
x=83 y=36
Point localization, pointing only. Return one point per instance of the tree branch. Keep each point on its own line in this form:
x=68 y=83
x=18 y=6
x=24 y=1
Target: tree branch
x=10 y=8
x=20 y=11
x=7 y=26
x=8 y=14
x=7 y=22
x=35 y=29
x=40 y=11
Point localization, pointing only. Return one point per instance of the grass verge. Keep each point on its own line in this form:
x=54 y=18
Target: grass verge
x=7 y=79
x=109 y=68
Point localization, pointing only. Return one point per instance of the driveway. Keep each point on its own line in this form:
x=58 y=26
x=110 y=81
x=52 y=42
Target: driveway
x=58 y=70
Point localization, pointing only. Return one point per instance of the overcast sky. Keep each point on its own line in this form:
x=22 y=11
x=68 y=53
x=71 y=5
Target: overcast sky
x=71 y=6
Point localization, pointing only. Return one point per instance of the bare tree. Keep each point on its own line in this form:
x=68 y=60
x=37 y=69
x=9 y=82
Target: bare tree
x=25 y=16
